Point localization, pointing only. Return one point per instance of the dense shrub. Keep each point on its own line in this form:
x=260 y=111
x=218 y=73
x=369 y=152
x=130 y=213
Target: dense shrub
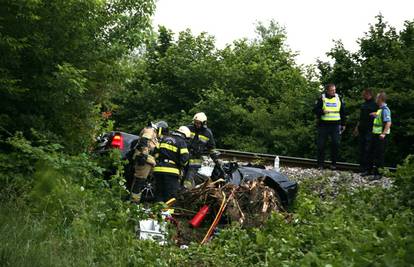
x=65 y=62
x=67 y=215
x=404 y=181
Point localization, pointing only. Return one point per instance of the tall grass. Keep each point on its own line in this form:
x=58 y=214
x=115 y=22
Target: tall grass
x=73 y=218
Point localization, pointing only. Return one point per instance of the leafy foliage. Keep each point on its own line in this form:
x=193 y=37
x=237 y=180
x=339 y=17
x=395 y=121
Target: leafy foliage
x=84 y=222
x=258 y=99
x=404 y=182
x=384 y=62
x=61 y=61
x=255 y=96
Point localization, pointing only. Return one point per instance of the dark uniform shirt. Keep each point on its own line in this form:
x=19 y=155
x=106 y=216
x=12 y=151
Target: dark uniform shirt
x=201 y=142
x=365 y=120
x=318 y=110
x=172 y=153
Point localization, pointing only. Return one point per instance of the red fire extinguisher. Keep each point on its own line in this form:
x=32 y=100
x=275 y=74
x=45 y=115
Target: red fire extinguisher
x=198 y=218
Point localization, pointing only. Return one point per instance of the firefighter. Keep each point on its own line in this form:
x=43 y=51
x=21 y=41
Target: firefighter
x=143 y=160
x=201 y=144
x=380 y=130
x=330 y=110
x=172 y=157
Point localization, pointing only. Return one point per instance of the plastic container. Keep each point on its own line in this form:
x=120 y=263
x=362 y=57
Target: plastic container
x=276 y=164
x=151 y=229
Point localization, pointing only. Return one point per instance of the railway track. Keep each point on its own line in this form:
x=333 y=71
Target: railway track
x=285 y=161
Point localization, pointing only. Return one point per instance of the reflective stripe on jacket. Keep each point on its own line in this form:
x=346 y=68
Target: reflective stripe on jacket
x=172 y=154
x=167 y=170
x=333 y=106
x=201 y=143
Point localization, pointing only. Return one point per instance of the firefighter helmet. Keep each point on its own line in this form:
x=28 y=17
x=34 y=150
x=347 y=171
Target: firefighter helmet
x=161 y=127
x=201 y=117
x=184 y=130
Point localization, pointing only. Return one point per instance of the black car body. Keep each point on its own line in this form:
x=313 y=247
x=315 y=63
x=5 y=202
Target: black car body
x=125 y=142
x=232 y=172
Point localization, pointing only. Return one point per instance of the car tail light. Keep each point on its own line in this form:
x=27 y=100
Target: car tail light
x=117 y=141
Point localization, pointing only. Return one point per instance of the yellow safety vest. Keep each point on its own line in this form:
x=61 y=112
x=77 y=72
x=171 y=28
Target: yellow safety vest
x=333 y=105
x=378 y=123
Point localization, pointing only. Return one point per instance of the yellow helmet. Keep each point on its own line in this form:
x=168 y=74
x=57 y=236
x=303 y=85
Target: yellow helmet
x=184 y=130
x=201 y=116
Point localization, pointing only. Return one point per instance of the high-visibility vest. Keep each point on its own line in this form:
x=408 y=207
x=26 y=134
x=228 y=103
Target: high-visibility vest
x=333 y=105
x=378 y=123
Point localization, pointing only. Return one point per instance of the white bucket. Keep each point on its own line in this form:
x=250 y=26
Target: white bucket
x=151 y=229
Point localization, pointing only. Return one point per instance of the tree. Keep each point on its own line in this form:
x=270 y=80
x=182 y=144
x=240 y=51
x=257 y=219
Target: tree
x=169 y=79
x=384 y=61
x=255 y=96
x=61 y=63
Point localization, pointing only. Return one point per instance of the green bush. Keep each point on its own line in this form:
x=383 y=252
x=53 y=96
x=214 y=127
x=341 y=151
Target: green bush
x=67 y=215
x=404 y=182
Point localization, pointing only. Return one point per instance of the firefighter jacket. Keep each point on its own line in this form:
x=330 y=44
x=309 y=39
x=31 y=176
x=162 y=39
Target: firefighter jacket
x=201 y=143
x=143 y=151
x=172 y=154
x=144 y=147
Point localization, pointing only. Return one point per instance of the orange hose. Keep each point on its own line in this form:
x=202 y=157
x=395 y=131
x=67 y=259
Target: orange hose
x=218 y=216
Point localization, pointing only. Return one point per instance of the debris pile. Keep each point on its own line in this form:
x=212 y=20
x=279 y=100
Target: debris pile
x=248 y=196
x=250 y=204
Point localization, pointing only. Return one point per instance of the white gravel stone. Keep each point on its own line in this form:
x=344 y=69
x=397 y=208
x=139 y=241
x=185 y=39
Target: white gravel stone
x=328 y=182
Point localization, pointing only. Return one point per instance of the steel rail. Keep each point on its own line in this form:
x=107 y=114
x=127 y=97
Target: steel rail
x=285 y=161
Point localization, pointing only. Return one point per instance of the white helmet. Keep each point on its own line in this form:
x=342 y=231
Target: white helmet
x=201 y=116
x=184 y=130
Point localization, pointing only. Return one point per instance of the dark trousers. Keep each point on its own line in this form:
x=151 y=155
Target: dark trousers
x=138 y=184
x=324 y=132
x=364 y=145
x=376 y=153
x=191 y=173
x=166 y=186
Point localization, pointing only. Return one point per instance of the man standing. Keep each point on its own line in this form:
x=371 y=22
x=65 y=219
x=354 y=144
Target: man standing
x=330 y=110
x=201 y=143
x=364 y=127
x=172 y=156
x=380 y=130
x=143 y=161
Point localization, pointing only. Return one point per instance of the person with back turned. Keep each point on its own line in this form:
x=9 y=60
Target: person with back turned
x=142 y=158
x=172 y=157
x=330 y=110
x=363 y=128
x=380 y=130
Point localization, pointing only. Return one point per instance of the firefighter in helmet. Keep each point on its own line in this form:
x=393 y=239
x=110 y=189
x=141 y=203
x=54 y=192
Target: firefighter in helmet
x=200 y=144
x=172 y=157
x=143 y=160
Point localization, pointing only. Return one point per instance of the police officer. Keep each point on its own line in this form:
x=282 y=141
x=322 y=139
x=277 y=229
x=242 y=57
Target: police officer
x=330 y=110
x=172 y=157
x=201 y=144
x=380 y=130
x=363 y=128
